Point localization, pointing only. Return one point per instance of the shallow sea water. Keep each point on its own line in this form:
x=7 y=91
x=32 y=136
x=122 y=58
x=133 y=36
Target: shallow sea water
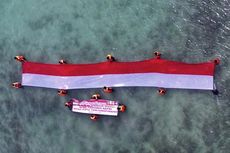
x=34 y=120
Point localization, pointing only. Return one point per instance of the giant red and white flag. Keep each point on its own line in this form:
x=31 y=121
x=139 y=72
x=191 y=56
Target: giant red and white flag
x=147 y=73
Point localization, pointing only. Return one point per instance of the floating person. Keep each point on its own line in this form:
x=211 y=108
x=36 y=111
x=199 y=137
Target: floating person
x=94 y=117
x=16 y=85
x=20 y=58
x=69 y=105
x=107 y=89
x=62 y=61
x=110 y=58
x=96 y=96
x=216 y=61
x=121 y=107
x=215 y=91
x=62 y=92
x=161 y=91
x=157 y=55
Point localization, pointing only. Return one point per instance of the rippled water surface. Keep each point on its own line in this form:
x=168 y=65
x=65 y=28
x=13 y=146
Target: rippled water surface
x=34 y=120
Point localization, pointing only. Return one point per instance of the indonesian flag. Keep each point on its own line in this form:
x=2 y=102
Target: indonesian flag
x=147 y=73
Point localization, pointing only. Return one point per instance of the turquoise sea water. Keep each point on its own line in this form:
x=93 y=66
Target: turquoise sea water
x=34 y=120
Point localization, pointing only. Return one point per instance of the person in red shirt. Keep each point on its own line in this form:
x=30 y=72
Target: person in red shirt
x=69 y=105
x=94 y=117
x=96 y=96
x=16 y=85
x=20 y=58
x=62 y=92
x=161 y=91
x=62 y=61
x=107 y=89
x=157 y=55
x=110 y=58
x=121 y=107
x=216 y=61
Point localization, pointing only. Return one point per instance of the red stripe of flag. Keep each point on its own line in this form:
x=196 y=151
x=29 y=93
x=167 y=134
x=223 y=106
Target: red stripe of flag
x=147 y=66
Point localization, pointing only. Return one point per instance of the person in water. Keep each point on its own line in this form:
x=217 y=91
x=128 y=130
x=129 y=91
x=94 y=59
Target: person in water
x=217 y=61
x=157 y=55
x=96 y=96
x=16 y=85
x=94 y=117
x=121 y=108
x=69 y=105
x=20 y=58
x=62 y=61
x=62 y=92
x=161 y=91
x=107 y=89
x=110 y=58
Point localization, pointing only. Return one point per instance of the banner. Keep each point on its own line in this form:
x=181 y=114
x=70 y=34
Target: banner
x=99 y=106
x=147 y=73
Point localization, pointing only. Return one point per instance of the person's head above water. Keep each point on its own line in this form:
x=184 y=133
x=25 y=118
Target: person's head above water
x=122 y=108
